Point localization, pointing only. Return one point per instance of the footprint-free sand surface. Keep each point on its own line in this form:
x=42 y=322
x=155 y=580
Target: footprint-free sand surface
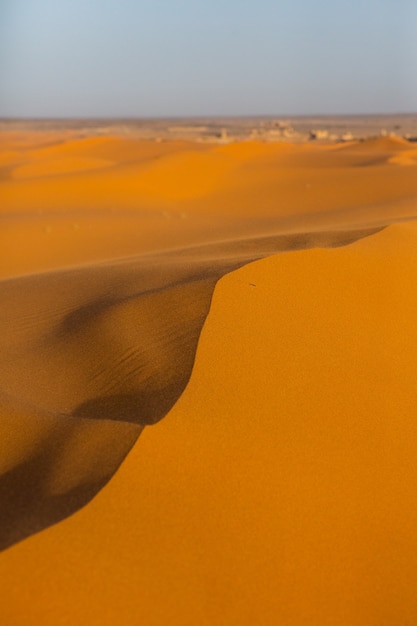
x=250 y=310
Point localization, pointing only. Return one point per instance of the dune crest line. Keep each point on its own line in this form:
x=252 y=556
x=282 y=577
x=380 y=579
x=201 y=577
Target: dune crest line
x=94 y=354
x=100 y=331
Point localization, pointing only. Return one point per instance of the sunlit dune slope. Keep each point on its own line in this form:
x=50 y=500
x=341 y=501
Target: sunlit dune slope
x=282 y=482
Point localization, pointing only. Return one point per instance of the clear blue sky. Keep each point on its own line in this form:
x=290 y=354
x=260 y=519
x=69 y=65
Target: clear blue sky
x=207 y=57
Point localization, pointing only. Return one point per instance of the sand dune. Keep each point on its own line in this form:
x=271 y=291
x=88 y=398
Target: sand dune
x=119 y=342
x=290 y=450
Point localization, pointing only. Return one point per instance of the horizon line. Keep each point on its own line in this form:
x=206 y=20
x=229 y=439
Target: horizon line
x=85 y=118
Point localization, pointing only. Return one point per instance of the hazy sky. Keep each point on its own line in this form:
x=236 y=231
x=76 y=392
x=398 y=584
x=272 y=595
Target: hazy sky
x=207 y=57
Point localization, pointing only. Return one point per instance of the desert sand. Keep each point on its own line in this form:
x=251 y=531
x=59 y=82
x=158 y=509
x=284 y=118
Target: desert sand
x=254 y=305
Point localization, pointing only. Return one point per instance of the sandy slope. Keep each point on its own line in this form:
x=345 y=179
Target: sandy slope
x=281 y=487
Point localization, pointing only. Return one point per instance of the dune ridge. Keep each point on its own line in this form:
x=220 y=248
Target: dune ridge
x=119 y=342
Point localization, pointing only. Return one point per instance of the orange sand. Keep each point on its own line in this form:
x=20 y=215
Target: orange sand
x=280 y=489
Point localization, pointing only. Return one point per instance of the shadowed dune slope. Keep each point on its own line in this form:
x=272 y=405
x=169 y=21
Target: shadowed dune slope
x=52 y=465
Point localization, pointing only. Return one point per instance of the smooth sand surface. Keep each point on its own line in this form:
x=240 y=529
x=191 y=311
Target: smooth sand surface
x=281 y=486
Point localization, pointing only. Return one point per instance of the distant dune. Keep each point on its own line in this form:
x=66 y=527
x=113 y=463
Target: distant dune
x=281 y=488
